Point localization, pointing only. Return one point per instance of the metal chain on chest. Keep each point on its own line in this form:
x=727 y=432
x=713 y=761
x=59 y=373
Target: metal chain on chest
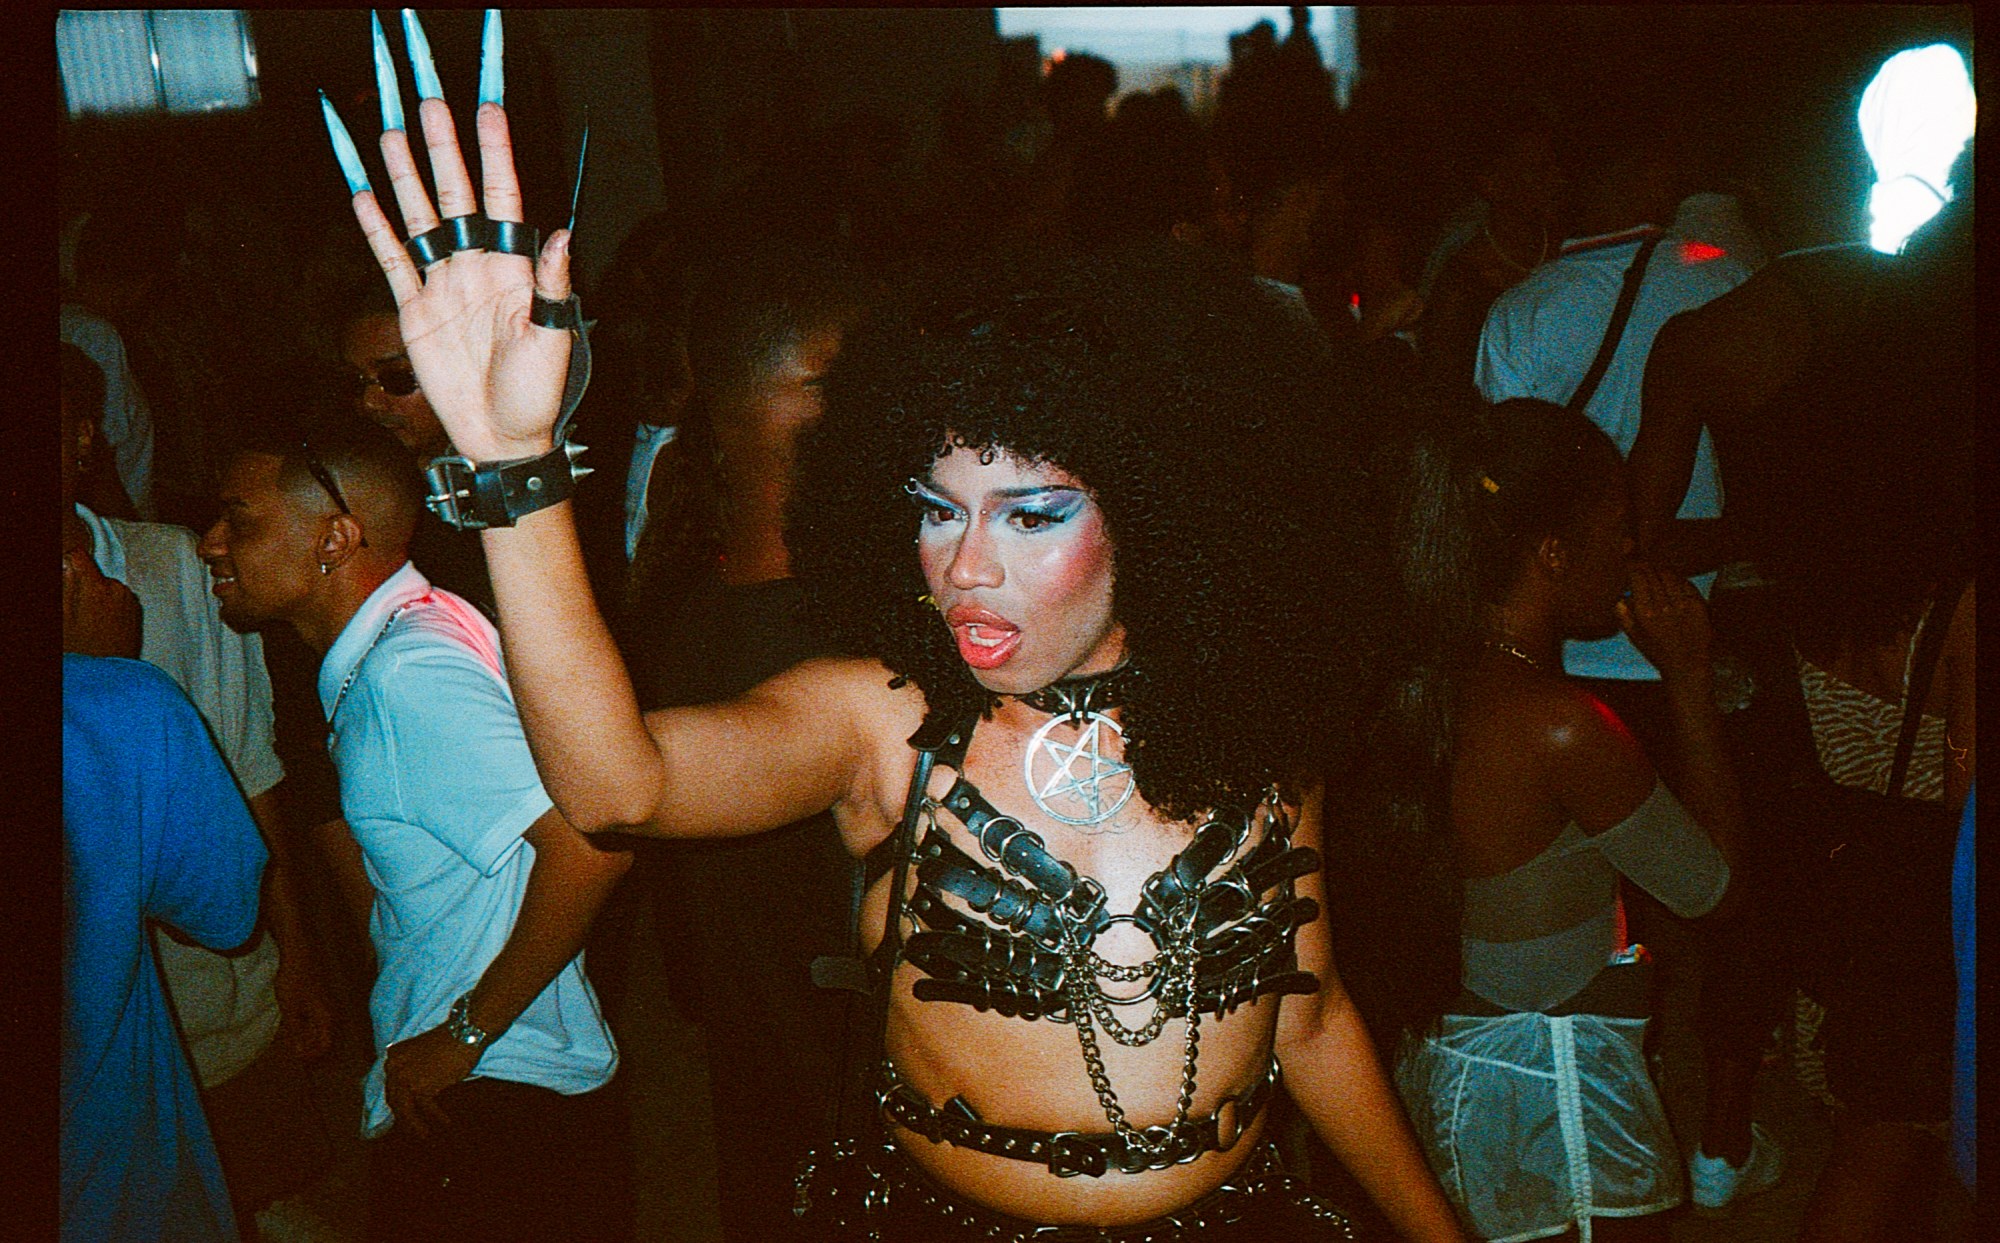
x=1089 y=1008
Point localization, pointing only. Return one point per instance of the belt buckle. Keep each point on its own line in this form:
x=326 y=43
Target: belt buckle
x=452 y=497
x=1083 y=903
x=1072 y=1153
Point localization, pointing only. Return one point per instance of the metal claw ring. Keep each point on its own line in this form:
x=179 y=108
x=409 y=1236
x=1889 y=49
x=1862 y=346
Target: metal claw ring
x=447 y=239
x=563 y=313
x=473 y=232
x=510 y=237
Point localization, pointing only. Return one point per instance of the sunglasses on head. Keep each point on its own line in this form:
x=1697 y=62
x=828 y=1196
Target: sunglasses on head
x=324 y=478
x=393 y=376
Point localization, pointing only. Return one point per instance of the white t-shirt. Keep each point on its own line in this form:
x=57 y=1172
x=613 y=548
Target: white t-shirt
x=1542 y=335
x=127 y=421
x=227 y=1008
x=438 y=786
x=1717 y=218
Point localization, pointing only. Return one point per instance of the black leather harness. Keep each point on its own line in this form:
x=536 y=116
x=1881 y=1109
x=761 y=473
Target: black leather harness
x=1004 y=951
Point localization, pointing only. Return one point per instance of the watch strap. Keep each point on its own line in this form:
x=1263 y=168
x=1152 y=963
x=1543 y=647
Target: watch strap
x=458 y=1021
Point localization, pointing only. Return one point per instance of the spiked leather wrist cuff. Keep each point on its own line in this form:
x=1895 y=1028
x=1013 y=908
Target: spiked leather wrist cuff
x=471 y=496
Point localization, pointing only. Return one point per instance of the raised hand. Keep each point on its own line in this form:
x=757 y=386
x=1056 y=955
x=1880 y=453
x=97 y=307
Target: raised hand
x=494 y=377
x=1668 y=622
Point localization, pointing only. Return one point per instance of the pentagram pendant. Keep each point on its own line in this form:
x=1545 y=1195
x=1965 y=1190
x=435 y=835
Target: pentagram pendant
x=1076 y=783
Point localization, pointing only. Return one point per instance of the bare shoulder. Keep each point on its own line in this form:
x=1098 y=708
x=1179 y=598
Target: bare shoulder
x=1597 y=769
x=1760 y=326
x=847 y=694
x=1551 y=736
x=1542 y=717
x=881 y=712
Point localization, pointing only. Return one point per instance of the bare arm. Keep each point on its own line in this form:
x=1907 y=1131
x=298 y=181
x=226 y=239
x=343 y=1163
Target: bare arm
x=569 y=883
x=796 y=745
x=495 y=380
x=306 y=1014
x=1335 y=1075
x=1669 y=623
x=1662 y=458
x=567 y=886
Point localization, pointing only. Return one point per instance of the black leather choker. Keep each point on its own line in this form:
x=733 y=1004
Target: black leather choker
x=1077 y=698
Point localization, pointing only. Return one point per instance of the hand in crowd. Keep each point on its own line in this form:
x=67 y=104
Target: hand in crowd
x=305 y=1012
x=494 y=378
x=1667 y=620
x=419 y=1068
x=100 y=615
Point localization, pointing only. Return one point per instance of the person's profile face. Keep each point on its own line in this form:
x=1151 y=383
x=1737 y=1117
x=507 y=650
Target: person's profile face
x=1019 y=561
x=262 y=552
x=385 y=388
x=787 y=397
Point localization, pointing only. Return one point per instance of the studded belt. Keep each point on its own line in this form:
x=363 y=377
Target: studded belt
x=851 y=1191
x=1070 y=1153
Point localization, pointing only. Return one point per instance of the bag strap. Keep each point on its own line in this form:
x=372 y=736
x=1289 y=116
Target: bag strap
x=1923 y=664
x=1615 y=332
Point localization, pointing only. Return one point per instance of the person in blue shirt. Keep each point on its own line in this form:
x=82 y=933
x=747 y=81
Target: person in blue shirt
x=154 y=830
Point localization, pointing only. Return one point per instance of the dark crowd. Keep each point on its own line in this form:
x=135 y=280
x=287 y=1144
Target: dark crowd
x=1143 y=667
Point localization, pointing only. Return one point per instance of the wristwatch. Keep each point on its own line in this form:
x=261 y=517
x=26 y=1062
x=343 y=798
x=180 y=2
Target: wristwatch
x=459 y=1023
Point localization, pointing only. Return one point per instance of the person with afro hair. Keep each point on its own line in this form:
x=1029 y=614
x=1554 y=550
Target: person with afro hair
x=1109 y=550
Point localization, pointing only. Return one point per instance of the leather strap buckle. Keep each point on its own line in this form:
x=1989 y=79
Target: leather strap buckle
x=473 y=497
x=451 y=497
x=1072 y=1154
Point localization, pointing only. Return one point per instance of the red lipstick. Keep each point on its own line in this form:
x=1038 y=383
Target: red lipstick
x=986 y=640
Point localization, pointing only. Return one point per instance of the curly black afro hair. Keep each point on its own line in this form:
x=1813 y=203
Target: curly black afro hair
x=1241 y=474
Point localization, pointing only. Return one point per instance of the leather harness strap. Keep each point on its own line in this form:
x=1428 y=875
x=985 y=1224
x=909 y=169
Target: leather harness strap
x=1070 y=1153
x=1009 y=954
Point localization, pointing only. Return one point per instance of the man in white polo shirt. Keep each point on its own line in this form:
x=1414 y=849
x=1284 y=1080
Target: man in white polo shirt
x=487 y=1102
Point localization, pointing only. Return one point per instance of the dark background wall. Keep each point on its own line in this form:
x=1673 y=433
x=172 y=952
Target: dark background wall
x=1764 y=92
x=684 y=99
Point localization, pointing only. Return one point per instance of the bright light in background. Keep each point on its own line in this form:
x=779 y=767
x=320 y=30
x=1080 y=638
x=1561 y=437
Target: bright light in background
x=1147 y=38
x=155 y=60
x=1916 y=116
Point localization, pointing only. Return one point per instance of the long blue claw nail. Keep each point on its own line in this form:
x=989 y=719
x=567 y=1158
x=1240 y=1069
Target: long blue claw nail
x=576 y=191
x=343 y=148
x=421 y=65
x=492 y=78
x=385 y=78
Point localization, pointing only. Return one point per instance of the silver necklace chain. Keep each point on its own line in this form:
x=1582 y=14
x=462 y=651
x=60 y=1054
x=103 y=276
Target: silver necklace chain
x=1511 y=649
x=341 y=694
